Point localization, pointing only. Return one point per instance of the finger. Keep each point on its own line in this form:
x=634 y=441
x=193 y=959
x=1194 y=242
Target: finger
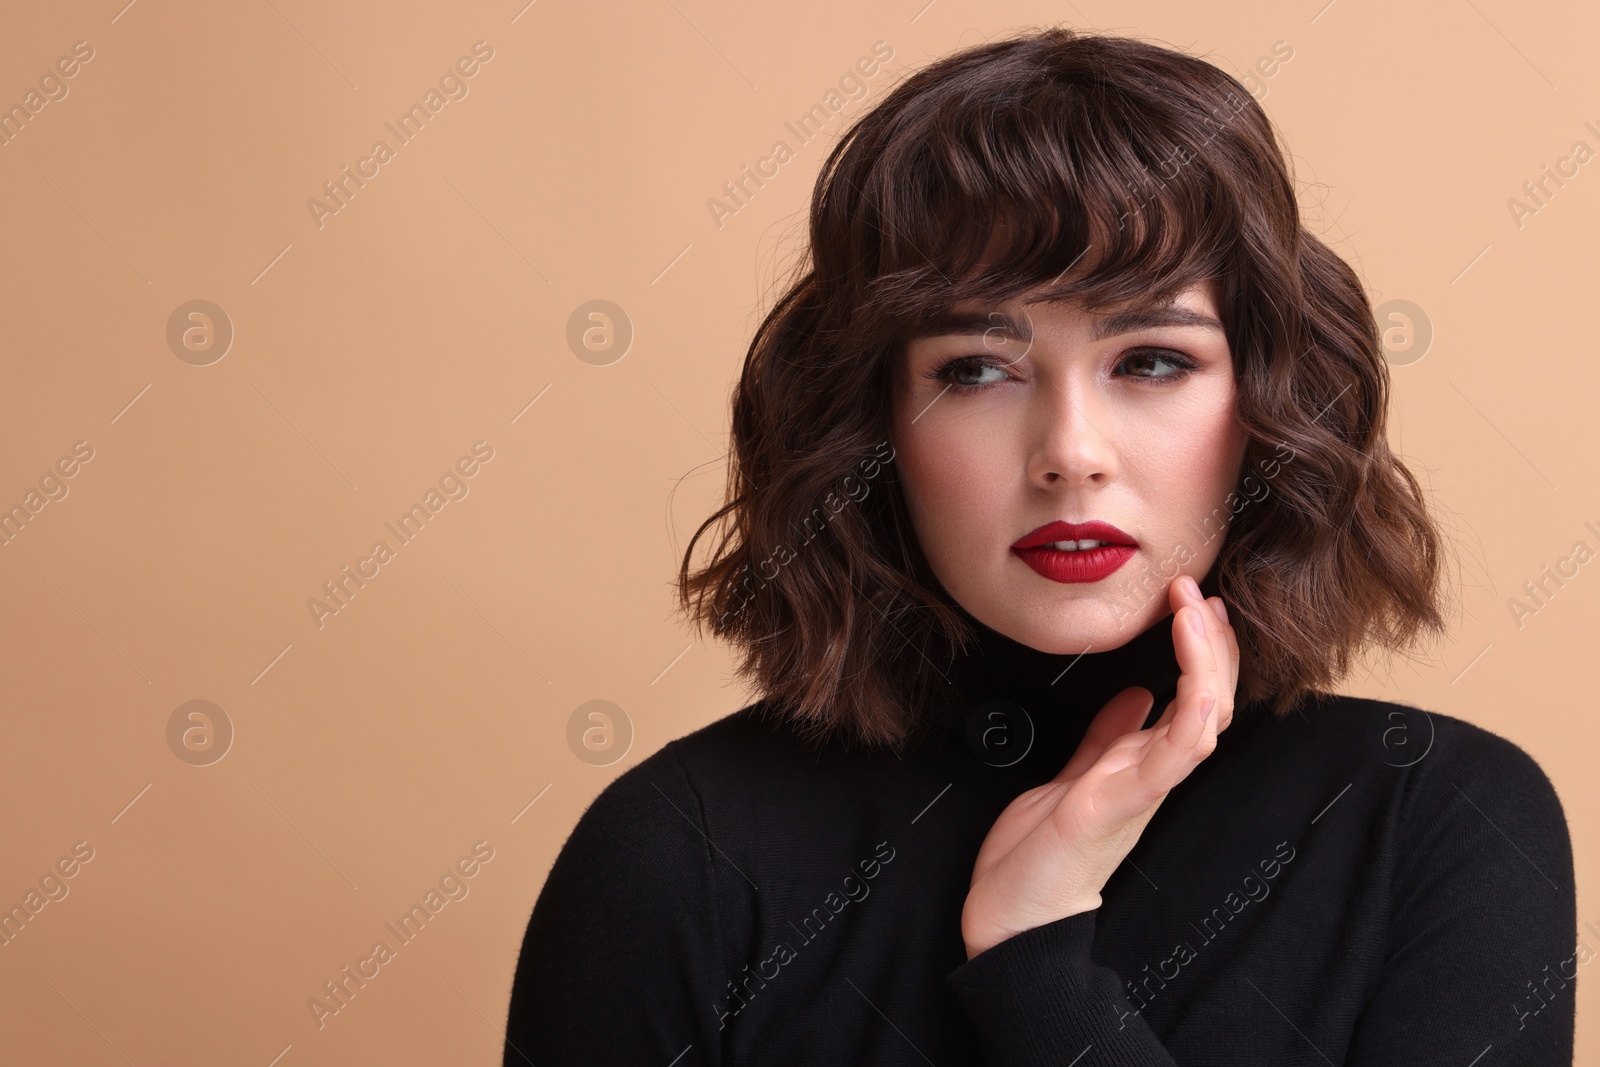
x=1212 y=628
x=1176 y=600
x=1232 y=650
x=1123 y=714
x=1216 y=632
x=1169 y=758
x=1230 y=658
x=1196 y=654
x=1139 y=787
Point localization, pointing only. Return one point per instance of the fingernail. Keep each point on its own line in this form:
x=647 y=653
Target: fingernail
x=1192 y=585
x=1221 y=611
x=1197 y=624
x=1207 y=702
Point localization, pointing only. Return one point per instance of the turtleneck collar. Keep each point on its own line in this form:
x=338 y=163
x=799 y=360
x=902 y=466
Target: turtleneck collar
x=1058 y=695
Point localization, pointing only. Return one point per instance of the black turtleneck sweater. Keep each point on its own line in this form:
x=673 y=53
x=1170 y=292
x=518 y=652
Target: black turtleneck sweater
x=1360 y=883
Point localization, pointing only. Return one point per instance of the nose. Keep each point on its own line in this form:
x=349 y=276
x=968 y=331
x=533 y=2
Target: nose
x=1071 y=433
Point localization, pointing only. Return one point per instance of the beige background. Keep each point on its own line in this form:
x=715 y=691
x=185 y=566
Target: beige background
x=432 y=310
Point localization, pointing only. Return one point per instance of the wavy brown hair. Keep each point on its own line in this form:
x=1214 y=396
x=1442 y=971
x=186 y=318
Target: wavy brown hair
x=1110 y=171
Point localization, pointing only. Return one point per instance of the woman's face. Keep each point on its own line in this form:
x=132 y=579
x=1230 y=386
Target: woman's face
x=1126 y=418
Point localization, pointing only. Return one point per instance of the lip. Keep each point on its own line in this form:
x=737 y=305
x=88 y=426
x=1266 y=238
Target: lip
x=1093 y=530
x=1086 y=565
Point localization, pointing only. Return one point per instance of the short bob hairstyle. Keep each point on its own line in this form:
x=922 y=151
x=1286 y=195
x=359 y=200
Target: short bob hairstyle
x=1157 y=170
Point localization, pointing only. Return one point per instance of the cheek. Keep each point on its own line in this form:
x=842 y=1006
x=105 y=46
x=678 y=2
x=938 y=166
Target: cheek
x=1207 y=458
x=951 y=472
x=1222 y=450
x=1199 y=465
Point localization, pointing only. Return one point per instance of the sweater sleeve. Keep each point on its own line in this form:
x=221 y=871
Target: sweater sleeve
x=1038 y=999
x=621 y=961
x=1480 y=958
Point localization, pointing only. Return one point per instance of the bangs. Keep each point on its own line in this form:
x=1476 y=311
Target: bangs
x=992 y=190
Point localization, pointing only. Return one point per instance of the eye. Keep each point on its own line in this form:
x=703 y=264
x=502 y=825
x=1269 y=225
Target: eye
x=1179 y=364
x=957 y=374
x=973 y=374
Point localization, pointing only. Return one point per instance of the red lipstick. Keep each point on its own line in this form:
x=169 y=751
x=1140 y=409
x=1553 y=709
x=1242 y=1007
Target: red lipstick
x=1087 y=564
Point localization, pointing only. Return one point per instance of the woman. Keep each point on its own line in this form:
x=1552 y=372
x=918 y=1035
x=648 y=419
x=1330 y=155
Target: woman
x=1059 y=496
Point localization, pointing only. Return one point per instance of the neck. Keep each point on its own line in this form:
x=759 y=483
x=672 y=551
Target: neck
x=1059 y=694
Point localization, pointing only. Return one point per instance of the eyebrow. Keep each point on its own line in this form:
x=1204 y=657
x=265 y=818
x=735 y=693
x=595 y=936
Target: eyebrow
x=978 y=323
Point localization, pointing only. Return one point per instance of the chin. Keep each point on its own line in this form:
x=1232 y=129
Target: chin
x=1081 y=627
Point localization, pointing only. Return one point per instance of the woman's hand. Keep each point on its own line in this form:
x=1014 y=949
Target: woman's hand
x=1054 y=847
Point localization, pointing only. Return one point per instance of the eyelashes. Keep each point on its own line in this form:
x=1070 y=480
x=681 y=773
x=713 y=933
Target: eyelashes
x=1182 y=366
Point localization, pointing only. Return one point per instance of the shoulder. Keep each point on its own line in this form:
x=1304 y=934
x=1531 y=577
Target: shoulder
x=630 y=913
x=746 y=796
x=1481 y=861
x=641 y=830
x=646 y=850
x=670 y=790
x=689 y=830
x=1474 y=783
x=1441 y=748
x=1453 y=787
x=1406 y=737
